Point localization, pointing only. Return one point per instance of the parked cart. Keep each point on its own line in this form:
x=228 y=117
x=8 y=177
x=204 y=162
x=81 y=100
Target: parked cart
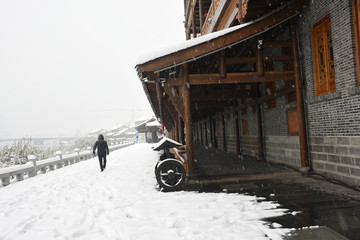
x=170 y=172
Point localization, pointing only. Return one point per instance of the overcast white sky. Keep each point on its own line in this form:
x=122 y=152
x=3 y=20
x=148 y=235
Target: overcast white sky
x=67 y=66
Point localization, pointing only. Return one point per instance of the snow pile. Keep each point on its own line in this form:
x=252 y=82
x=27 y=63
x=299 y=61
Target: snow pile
x=80 y=202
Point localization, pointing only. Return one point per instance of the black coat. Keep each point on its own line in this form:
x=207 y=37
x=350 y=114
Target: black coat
x=102 y=146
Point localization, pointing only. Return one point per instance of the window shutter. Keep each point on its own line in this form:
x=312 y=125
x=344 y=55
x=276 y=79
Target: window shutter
x=323 y=57
x=356 y=13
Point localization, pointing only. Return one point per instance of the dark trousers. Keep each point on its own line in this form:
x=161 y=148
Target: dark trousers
x=102 y=161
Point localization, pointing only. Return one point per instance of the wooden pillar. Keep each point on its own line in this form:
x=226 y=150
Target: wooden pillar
x=201 y=14
x=222 y=64
x=196 y=134
x=181 y=130
x=211 y=140
x=237 y=135
x=206 y=134
x=299 y=99
x=259 y=126
x=260 y=58
x=176 y=131
x=188 y=121
x=201 y=134
x=215 y=140
x=159 y=98
x=193 y=25
x=188 y=34
x=223 y=132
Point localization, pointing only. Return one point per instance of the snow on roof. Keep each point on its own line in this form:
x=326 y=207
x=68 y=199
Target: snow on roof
x=97 y=131
x=163 y=140
x=153 y=124
x=121 y=131
x=144 y=118
x=187 y=44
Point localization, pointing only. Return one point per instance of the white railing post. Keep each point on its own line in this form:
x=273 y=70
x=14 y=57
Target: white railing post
x=59 y=154
x=90 y=149
x=32 y=158
x=78 y=153
x=20 y=176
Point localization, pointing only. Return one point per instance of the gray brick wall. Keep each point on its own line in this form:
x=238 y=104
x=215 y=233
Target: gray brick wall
x=333 y=120
x=283 y=149
x=336 y=114
x=249 y=146
x=337 y=157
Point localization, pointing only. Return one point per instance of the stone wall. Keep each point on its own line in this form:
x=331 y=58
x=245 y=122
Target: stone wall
x=283 y=149
x=249 y=146
x=337 y=158
x=335 y=114
x=333 y=120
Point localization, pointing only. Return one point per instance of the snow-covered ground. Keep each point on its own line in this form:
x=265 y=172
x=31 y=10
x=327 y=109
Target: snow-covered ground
x=80 y=202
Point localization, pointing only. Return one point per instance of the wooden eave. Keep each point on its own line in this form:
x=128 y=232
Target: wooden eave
x=257 y=27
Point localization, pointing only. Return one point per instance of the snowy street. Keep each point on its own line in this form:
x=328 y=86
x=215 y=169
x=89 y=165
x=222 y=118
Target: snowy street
x=80 y=202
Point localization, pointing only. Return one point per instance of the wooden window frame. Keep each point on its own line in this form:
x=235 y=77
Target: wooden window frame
x=324 y=69
x=356 y=15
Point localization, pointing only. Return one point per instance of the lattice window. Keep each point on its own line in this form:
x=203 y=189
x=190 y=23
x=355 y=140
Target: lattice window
x=356 y=13
x=323 y=57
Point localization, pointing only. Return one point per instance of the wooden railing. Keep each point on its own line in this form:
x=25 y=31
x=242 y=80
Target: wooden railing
x=180 y=154
x=33 y=167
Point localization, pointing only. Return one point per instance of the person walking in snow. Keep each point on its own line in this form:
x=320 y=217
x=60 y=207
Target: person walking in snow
x=102 y=151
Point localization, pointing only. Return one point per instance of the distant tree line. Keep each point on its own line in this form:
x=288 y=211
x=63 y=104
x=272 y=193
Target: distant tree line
x=17 y=153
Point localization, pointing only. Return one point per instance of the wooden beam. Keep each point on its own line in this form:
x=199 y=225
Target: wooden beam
x=279 y=93
x=279 y=44
x=193 y=23
x=188 y=121
x=278 y=59
x=175 y=99
x=224 y=95
x=240 y=16
x=242 y=34
x=174 y=82
x=240 y=60
x=201 y=14
x=190 y=15
x=299 y=99
x=220 y=105
x=233 y=78
x=245 y=60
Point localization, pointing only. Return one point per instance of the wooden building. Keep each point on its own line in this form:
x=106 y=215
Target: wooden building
x=151 y=128
x=276 y=80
